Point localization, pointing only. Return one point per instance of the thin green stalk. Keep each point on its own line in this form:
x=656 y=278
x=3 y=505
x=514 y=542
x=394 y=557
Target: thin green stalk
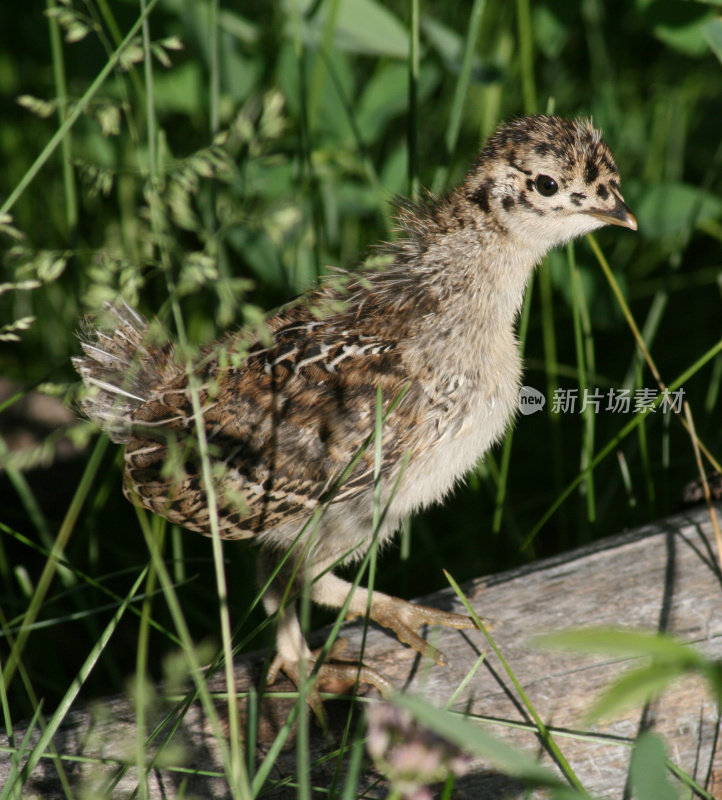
x=27 y=497
x=644 y=450
x=649 y=331
x=609 y=275
x=141 y=671
x=79 y=575
x=79 y=108
x=355 y=761
x=117 y=37
x=584 y=379
x=215 y=76
x=448 y=791
x=349 y=769
x=551 y=367
x=306 y=162
x=253 y=722
x=548 y=333
x=17 y=756
x=4 y=704
x=378 y=440
x=66 y=147
x=614 y=442
x=412 y=129
x=142 y=652
x=378 y=517
x=501 y=50
x=76 y=685
x=509 y=438
x=302 y=720
x=713 y=389
x=110 y=21
x=58 y=549
x=195 y=669
x=544 y=732
x=466 y=680
x=626 y=479
x=179 y=566
x=316 y=88
x=526 y=49
x=369 y=167
x=238 y=779
x=149 y=97
x=587 y=333
x=302 y=725
x=215 y=245
x=268 y=762
x=266 y=765
x=460 y=92
x=37 y=705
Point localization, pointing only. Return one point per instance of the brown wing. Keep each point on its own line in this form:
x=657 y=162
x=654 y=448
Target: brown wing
x=282 y=425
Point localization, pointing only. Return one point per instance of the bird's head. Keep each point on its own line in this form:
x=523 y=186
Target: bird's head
x=547 y=180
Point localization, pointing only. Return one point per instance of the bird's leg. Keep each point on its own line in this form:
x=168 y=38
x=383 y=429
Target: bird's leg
x=402 y=617
x=295 y=659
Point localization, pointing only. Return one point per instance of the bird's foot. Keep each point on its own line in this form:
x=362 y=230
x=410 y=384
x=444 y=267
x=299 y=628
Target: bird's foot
x=336 y=678
x=404 y=618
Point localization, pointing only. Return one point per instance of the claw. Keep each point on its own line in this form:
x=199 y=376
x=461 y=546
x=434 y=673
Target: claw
x=330 y=677
x=403 y=618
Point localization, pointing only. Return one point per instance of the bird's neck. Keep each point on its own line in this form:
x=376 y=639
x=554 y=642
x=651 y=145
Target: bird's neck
x=479 y=278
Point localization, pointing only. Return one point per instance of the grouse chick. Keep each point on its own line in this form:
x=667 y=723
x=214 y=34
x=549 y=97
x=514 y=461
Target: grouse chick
x=285 y=415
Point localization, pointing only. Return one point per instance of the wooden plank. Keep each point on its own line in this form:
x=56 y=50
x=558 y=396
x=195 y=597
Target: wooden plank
x=662 y=577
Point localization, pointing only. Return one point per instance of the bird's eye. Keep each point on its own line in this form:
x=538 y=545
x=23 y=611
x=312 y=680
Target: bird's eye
x=546 y=185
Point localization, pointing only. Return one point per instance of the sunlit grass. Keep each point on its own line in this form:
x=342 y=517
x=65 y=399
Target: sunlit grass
x=209 y=185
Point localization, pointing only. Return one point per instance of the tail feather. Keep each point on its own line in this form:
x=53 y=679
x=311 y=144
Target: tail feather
x=121 y=369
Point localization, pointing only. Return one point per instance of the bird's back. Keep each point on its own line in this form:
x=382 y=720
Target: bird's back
x=283 y=419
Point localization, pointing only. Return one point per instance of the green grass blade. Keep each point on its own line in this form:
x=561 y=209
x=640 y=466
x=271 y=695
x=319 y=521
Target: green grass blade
x=472 y=739
x=412 y=130
x=648 y=770
x=66 y=147
x=526 y=48
x=79 y=108
x=58 y=549
x=460 y=93
x=74 y=689
x=544 y=734
x=502 y=482
x=638 y=419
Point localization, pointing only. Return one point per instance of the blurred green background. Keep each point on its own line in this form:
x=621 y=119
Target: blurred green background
x=258 y=143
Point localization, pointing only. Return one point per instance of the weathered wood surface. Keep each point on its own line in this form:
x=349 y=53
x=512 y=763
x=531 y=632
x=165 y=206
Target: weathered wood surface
x=661 y=577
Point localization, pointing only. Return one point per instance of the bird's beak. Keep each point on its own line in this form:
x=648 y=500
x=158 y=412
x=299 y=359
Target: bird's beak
x=619 y=215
